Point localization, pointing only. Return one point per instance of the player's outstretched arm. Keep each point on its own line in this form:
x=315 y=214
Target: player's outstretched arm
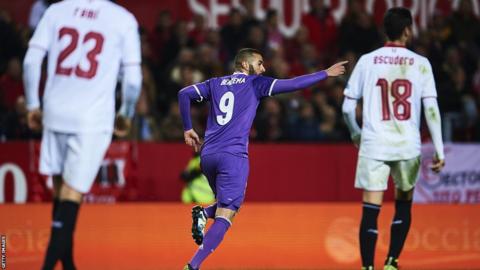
x=305 y=81
x=432 y=115
x=337 y=69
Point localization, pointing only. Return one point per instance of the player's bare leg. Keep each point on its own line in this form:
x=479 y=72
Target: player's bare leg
x=372 y=201
x=63 y=226
x=213 y=237
x=400 y=227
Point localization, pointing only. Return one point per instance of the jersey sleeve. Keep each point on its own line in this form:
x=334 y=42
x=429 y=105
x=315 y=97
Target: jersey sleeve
x=131 y=53
x=263 y=86
x=354 y=87
x=428 y=85
x=203 y=90
x=44 y=33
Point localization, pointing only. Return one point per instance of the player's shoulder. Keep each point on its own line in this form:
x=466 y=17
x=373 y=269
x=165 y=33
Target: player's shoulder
x=56 y=8
x=364 y=58
x=120 y=13
x=259 y=77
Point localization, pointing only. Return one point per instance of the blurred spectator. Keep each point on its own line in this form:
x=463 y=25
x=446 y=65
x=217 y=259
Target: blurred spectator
x=144 y=123
x=458 y=107
x=177 y=53
x=335 y=100
x=11 y=42
x=162 y=33
x=465 y=25
x=439 y=32
x=358 y=32
x=310 y=58
x=326 y=115
x=279 y=68
x=304 y=126
x=178 y=41
x=292 y=48
x=213 y=39
x=11 y=85
x=13 y=126
x=322 y=29
x=175 y=76
x=476 y=81
x=171 y=128
x=197 y=29
x=249 y=17
x=232 y=34
x=274 y=37
x=300 y=37
x=269 y=122
x=181 y=75
x=208 y=62
x=144 y=126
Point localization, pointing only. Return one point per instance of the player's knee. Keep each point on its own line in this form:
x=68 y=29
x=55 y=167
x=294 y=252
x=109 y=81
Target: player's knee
x=225 y=213
x=374 y=197
x=70 y=194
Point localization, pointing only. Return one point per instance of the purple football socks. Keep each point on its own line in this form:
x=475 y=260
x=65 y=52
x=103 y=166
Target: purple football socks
x=210 y=210
x=212 y=239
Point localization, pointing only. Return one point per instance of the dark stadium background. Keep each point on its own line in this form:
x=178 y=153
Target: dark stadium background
x=301 y=209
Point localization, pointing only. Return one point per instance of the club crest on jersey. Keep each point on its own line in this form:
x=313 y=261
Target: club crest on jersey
x=232 y=81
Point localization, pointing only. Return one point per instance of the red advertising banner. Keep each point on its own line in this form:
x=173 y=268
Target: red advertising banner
x=278 y=172
x=150 y=172
x=20 y=181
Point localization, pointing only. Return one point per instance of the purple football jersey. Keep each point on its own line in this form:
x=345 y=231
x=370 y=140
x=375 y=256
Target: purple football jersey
x=233 y=104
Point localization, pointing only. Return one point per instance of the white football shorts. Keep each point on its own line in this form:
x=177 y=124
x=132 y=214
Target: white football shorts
x=75 y=156
x=372 y=175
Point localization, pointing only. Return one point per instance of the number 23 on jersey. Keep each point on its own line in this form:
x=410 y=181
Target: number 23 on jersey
x=73 y=37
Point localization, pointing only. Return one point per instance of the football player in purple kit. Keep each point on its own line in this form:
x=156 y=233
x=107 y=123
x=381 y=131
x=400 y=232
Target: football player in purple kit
x=224 y=156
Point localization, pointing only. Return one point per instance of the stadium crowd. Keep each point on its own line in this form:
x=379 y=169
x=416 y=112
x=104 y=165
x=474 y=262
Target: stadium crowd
x=179 y=53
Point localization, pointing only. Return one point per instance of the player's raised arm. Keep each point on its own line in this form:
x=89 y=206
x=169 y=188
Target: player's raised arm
x=289 y=85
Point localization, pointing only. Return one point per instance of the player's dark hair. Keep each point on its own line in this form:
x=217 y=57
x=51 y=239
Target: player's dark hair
x=243 y=56
x=395 y=21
